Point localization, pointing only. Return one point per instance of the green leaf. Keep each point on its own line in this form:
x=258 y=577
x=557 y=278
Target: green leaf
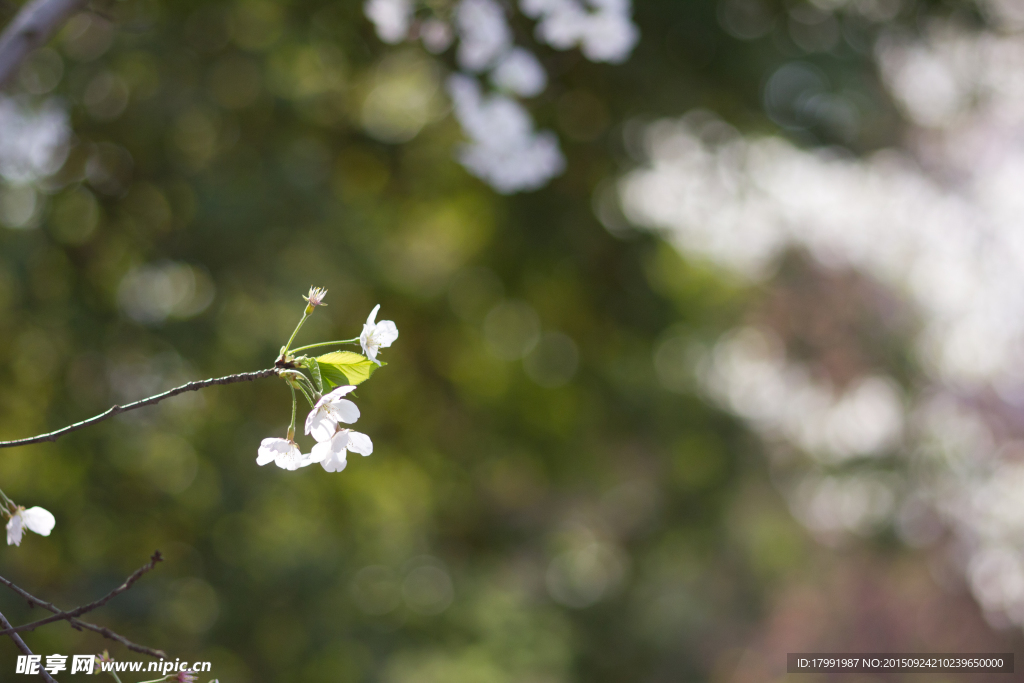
x=314 y=370
x=345 y=367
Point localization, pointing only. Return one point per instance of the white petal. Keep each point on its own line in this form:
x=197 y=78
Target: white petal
x=373 y=316
x=335 y=462
x=309 y=459
x=359 y=443
x=371 y=352
x=321 y=451
x=14 y=529
x=366 y=340
x=313 y=415
x=321 y=425
x=39 y=520
x=269 y=448
x=340 y=441
x=290 y=459
x=336 y=394
x=333 y=447
x=346 y=410
x=323 y=411
x=387 y=332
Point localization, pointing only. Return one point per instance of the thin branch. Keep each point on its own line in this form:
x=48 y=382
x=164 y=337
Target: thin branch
x=78 y=611
x=31 y=28
x=111 y=635
x=117 y=410
x=24 y=648
x=70 y=616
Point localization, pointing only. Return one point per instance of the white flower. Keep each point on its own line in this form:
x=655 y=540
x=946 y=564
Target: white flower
x=332 y=453
x=391 y=18
x=34 y=143
x=505 y=150
x=284 y=452
x=375 y=336
x=483 y=33
x=34 y=519
x=603 y=29
x=331 y=409
x=316 y=296
x=437 y=35
x=609 y=37
x=520 y=72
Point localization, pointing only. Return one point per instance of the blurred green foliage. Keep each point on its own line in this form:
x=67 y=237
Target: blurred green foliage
x=542 y=504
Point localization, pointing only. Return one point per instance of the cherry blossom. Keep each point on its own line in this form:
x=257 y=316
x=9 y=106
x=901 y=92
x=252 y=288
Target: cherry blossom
x=285 y=453
x=505 y=150
x=391 y=18
x=375 y=336
x=316 y=296
x=483 y=34
x=437 y=35
x=332 y=408
x=520 y=72
x=34 y=519
x=35 y=140
x=603 y=29
x=332 y=453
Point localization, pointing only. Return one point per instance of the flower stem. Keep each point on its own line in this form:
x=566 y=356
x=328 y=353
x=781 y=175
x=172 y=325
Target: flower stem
x=330 y=343
x=305 y=314
x=291 y=427
x=8 y=502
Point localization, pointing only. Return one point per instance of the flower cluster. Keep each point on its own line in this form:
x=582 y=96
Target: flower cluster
x=330 y=410
x=504 y=149
x=339 y=372
x=324 y=424
x=606 y=34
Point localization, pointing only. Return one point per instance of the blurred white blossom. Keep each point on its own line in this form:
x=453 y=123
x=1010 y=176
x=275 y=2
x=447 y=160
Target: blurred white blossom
x=377 y=335
x=483 y=34
x=391 y=18
x=749 y=373
x=437 y=35
x=156 y=292
x=33 y=141
x=941 y=223
x=505 y=150
x=521 y=73
x=34 y=519
x=603 y=29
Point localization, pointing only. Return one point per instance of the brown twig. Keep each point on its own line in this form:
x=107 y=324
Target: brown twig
x=24 y=648
x=70 y=616
x=117 y=410
x=31 y=28
x=78 y=611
